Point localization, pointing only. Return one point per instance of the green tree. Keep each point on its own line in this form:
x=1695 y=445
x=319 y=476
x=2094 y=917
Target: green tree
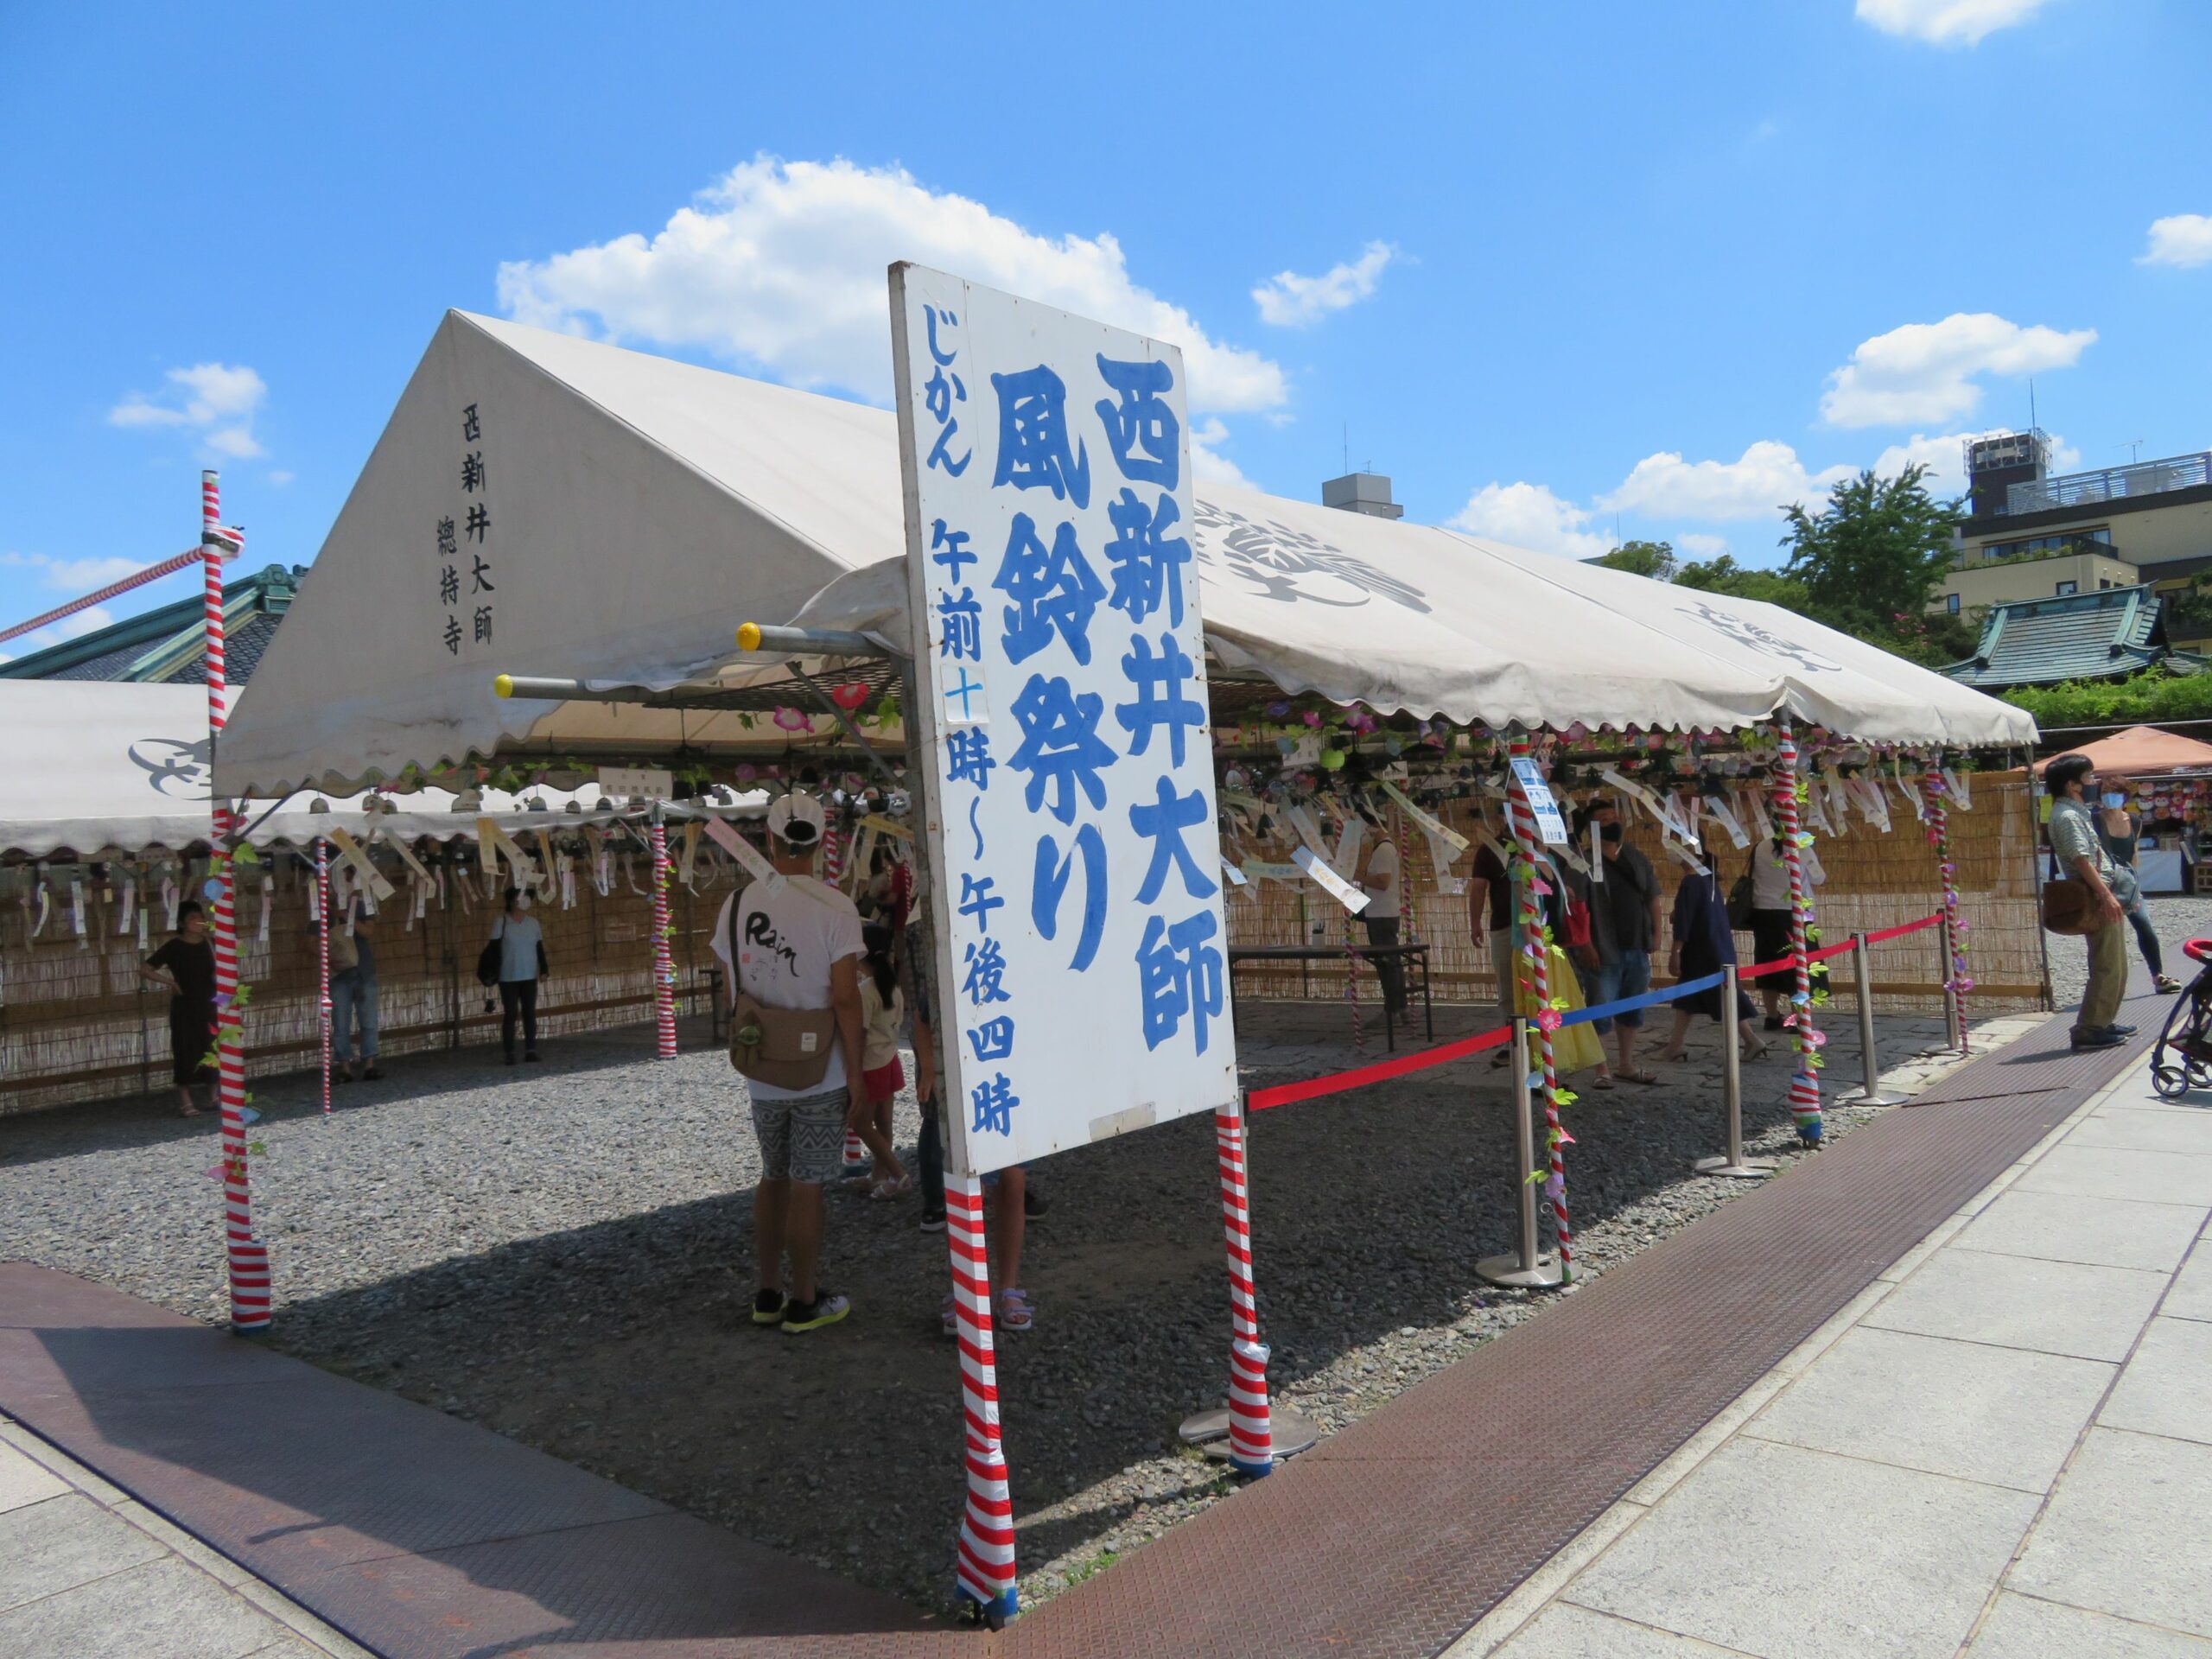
x=1652 y=559
x=1872 y=558
x=1723 y=575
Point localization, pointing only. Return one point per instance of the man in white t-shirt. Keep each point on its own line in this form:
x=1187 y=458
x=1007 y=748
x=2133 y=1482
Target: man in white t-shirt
x=1381 y=916
x=797 y=947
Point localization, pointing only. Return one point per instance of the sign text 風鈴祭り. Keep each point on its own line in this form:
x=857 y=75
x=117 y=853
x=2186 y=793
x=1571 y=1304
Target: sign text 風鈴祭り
x=1060 y=660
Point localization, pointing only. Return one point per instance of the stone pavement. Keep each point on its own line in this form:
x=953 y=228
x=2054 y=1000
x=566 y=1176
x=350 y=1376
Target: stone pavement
x=2001 y=1450
x=88 y=1573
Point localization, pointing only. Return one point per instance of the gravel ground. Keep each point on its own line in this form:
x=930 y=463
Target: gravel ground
x=560 y=1253
x=2176 y=917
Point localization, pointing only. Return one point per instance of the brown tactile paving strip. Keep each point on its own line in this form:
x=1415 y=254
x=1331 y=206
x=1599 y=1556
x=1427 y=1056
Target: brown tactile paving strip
x=425 y=1538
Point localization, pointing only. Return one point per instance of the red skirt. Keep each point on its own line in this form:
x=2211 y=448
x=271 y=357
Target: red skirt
x=885 y=1082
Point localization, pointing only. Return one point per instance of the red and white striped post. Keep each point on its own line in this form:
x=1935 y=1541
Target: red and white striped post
x=1535 y=970
x=663 y=955
x=246 y=1255
x=322 y=917
x=985 y=1571
x=1251 y=1431
x=1805 y=1039
x=1956 y=980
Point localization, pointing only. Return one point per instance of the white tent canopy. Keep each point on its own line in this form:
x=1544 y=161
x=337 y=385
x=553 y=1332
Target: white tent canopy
x=641 y=509
x=96 y=768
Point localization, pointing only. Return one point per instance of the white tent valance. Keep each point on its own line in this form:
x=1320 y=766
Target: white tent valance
x=97 y=769
x=640 y=509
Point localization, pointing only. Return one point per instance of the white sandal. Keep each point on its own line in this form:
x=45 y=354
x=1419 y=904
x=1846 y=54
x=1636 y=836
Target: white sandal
x=887 y=1188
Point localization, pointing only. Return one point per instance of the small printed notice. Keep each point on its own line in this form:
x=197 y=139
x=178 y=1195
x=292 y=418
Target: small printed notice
x=1434 y=827
x=750 y=858
x=1538 y=793
x=1334 y=885
x=636 y=783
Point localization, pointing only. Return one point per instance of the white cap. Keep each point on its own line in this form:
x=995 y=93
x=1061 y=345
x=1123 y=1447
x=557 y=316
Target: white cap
x=797 y=820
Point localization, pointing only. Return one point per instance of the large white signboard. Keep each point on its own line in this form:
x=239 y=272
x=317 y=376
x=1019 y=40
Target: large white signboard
x=1082 y=952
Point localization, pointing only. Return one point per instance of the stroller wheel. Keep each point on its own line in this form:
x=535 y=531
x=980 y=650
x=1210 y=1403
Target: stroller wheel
x=2170 y=1082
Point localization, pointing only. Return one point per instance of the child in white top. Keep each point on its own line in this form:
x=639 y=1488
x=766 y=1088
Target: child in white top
x=883 y=1011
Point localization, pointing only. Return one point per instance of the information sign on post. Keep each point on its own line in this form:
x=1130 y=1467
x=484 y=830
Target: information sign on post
x=1549 y=824
x=1082 y=950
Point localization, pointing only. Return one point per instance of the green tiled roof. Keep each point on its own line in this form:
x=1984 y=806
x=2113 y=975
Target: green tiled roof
x=2095 y=636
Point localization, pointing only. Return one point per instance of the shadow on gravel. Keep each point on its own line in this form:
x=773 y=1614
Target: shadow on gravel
x=626 y=1346
x=130 y=1121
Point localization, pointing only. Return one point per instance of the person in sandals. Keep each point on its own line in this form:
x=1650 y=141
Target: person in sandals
x=798 y=948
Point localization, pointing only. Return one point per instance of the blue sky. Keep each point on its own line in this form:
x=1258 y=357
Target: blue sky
x=1552 y=266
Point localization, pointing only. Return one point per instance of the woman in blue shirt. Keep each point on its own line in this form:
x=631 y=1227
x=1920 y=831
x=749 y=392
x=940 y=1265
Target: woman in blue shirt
x=522 y=964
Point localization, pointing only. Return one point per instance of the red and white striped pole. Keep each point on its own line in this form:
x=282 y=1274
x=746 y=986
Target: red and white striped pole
x=985 y=1571
x=1251 y=1431
x=322 y=934
x=1956 y=980
x=1535 y=970
x=246 y=1255
x=1805 y=1038
x=663 y=955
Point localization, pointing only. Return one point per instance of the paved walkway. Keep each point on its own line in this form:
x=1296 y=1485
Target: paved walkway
x=2001 y=1450
x=88 y=1573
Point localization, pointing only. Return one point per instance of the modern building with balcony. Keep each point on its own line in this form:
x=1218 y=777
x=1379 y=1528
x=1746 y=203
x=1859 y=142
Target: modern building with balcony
x=2030 y=535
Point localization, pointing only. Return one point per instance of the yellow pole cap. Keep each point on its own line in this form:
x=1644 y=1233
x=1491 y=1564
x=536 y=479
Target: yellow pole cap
x=748 y=636
x=504 y=686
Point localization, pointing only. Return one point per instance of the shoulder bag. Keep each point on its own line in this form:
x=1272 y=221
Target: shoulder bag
x=784 y=1048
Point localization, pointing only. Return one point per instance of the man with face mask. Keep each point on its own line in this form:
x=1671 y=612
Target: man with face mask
x=522 y=964
x=2072 y=782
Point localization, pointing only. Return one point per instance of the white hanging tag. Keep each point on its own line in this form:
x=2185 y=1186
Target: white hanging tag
x=1955 y=787
x=130 y=907
x=1717 y=805
x=268 y=904
x=143 y=928
x=77 y=911
x=755 y=862
x=568 y=884
x=171 y=897
x=1236 y=877
x=1346 y=862
x=1431 y=826
x=1330 y=882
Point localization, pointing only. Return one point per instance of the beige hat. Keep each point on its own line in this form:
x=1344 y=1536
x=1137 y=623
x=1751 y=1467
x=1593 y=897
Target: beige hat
x=797 y=820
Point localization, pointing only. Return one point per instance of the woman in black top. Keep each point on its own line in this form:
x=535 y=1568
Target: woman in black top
x=186 y=965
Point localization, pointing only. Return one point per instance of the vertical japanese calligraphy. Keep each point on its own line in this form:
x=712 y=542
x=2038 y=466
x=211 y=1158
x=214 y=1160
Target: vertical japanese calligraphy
x=466 y=589
x=1063 y=721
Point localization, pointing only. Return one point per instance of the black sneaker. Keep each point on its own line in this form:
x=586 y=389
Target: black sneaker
x=531 y=1056
x=824 y=1309
x=769 y=1307
x=2121 y=1031
x=2101 y=1037
x=1033 y=1203
x=1774 y=1022
x=934 y=1222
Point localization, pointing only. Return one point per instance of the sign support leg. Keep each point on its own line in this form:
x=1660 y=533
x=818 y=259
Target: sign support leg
x=1251 y=1442
x=986 y=1568
x=663 y=956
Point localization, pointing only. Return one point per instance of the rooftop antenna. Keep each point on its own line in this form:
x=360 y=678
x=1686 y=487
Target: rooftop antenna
x=2031 y=403
x=1347 y=446
x=2134 y=447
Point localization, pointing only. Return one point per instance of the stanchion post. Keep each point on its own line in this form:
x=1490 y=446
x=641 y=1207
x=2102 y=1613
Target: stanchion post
x=1870 y=1064
x=1528 y=1267
x=663 y=950
x=1732 y=1161
x=1954 y=1026
x=985 y=1569
x=323 y=959
x=1251 y=1437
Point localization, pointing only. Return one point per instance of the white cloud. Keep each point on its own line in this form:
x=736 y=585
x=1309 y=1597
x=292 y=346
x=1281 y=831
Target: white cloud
x=1946 y=23
x=280 y=479
x=2182 y=239
x=1925 y=371
x=779 y=265
x=1530 y=516
x=1766 y=477
x=1207 y=461
x=1290 y=300
x=1702 y=546
x=218 y=401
